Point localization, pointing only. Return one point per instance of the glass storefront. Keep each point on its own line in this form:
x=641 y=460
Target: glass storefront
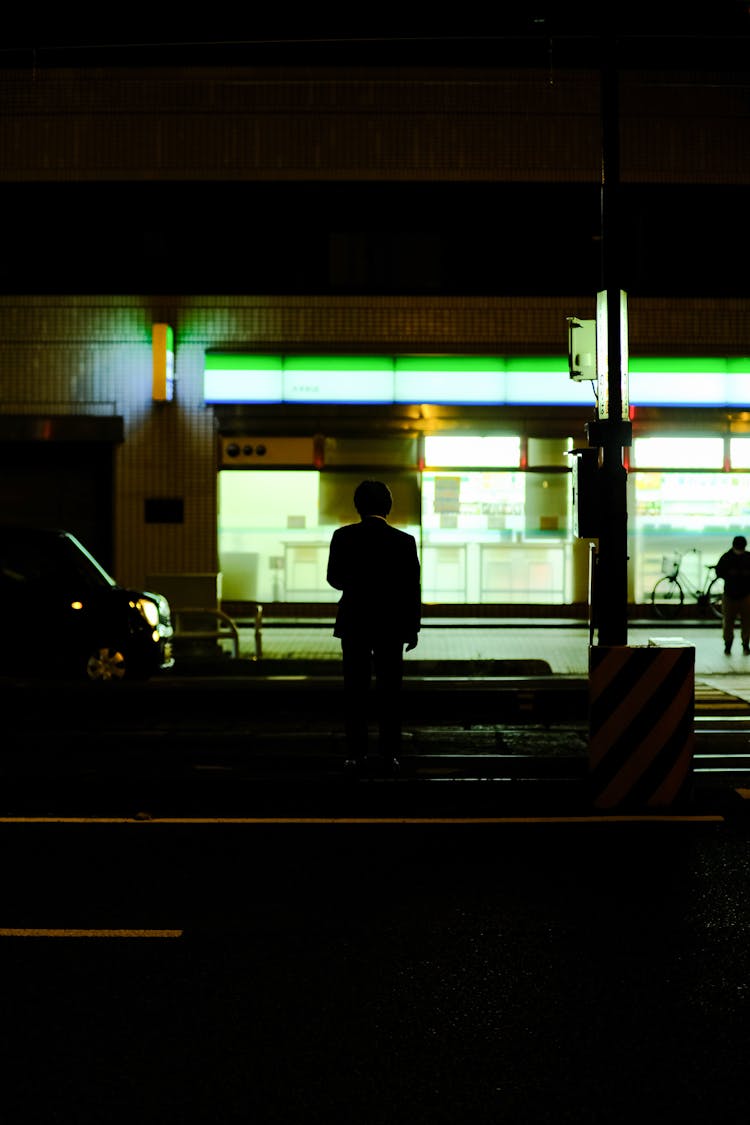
x=495 y=537
x=690 y=507
x=484 y=534
x=275 y=527
x=692 y=516
x=492 y=517
x=491 y=511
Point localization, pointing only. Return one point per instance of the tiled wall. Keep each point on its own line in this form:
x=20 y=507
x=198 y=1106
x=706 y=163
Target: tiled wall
x=261 y=124
x=267 y=124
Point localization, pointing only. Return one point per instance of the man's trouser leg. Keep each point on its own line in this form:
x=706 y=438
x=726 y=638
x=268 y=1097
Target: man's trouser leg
x=357 y=660
x=389 y=662
x=730 y=609
x=744 y=611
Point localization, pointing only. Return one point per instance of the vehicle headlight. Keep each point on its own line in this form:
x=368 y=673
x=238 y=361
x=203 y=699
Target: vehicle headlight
x=149 y=610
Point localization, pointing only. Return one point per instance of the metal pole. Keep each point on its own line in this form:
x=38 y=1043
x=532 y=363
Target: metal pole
x=613 y=542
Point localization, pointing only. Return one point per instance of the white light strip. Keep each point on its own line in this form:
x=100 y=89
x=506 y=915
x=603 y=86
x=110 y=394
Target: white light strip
x=338 y=386
x=546 y=388
x=461 y=387
x=235 y=385
x=694 y=388
x=482 y=387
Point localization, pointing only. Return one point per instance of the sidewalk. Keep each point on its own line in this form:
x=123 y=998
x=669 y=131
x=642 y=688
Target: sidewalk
x=565 y=648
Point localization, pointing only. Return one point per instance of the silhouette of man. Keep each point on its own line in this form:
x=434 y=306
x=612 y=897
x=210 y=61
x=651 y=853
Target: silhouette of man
x=376 y=567
x=734 y=568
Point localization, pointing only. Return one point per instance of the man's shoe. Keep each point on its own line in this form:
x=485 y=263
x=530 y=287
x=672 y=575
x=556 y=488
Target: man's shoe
x=353 y=767
x=746 y=650
x=727 y=652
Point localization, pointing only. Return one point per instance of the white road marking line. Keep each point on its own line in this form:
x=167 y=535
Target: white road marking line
x=634 y=818
x=22 y=932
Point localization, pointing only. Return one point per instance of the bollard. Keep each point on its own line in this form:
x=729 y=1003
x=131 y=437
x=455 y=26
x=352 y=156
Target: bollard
x=641 y=733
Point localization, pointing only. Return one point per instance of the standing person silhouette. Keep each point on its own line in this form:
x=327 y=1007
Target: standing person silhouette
x=376 y=567
x=734 y=568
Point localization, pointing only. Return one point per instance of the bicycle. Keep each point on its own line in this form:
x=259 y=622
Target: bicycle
x=668 y=594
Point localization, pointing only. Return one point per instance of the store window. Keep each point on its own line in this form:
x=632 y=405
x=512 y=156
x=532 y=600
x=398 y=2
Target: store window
x=275 y=529
x=470 y=452
x=684 y=505
x=495 y=537
x=494 y=533
x=487 y=530
x=739 y=452
x=694 y=515
x=678 y=453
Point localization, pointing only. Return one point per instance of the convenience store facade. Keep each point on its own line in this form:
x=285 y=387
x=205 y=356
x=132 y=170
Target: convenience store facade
x=244 y=485
x=250 y=208
x=477 y=451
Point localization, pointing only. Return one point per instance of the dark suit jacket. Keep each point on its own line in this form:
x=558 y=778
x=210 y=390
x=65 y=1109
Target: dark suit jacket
x=376 y=567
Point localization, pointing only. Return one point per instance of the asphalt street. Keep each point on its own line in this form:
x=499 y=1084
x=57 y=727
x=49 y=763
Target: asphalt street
x=198 y=926
x=523 y=972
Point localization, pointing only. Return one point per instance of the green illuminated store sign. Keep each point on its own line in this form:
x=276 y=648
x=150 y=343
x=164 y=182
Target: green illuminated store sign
x=464 y=380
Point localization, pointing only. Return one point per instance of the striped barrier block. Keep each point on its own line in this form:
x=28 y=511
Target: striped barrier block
x=641 y=731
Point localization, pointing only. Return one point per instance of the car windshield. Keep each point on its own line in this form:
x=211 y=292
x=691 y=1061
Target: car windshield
x=55 y=560
x=78 y=559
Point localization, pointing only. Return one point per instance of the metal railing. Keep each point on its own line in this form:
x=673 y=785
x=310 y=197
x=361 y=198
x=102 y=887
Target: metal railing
x=226 y=628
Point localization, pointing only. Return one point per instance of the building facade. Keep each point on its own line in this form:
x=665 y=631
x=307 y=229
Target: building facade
x=337 y=226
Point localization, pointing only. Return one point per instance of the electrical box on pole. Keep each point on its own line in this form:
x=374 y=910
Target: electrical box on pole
x=582 y=349
x=586 y=493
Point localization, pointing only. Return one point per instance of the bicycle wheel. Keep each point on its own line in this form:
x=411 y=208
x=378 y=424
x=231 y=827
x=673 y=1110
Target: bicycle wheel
x=715 y=595
x=667 y=597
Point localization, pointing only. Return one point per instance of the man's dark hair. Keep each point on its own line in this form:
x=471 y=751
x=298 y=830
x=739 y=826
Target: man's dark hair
x=373 y=498
x=739 y=542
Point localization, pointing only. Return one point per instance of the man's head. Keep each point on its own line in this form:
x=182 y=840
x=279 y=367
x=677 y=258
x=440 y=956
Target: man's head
x=372 y=498
x=739 y=543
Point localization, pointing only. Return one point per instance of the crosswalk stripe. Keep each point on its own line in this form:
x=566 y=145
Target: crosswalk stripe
x=708 y=697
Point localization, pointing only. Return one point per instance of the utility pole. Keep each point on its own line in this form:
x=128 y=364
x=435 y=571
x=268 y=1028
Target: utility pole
x=612 y=429
x=645 y=758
